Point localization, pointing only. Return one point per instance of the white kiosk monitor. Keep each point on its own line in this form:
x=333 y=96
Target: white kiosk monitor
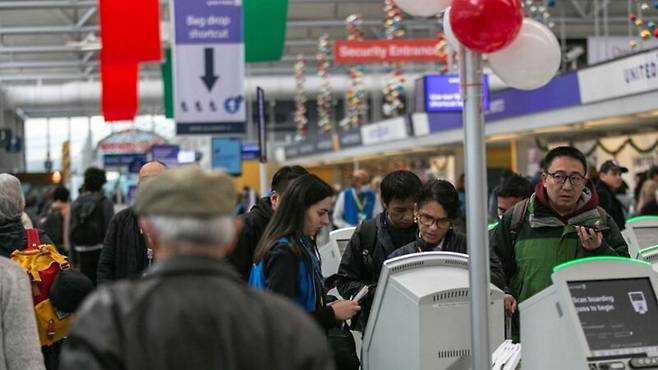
x=641 y=232
x=420 y=315
x=650 y=255
x=600 y=313
x=332 y=252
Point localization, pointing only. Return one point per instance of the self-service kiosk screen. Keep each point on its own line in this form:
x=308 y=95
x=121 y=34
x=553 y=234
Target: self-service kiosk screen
x=646 y=236
x=618 y=316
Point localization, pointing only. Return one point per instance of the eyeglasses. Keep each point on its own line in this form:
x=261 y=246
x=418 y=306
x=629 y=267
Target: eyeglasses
x=560 y=177
x=427 y=220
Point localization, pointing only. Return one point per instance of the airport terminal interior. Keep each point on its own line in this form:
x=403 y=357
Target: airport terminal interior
x=489 y=168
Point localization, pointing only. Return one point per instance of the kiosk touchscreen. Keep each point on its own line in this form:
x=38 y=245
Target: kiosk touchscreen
x=420 y=315
x=641 y=232
x=600 y=313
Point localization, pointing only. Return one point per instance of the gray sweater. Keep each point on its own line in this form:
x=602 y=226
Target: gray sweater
x=19 y=342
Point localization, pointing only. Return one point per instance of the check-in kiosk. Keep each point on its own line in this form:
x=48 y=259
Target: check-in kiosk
x=650 y=255
x=332 y=252
x=420 y=315
x=641 y=232
x=600 y=313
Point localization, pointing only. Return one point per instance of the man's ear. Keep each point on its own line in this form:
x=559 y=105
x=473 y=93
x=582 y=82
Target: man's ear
x=150 y=235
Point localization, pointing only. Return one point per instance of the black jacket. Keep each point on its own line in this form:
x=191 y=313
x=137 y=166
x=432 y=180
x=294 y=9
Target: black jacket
x=362 y=263
x=612 y=205
x=454 y=242
x=192 y=312
x=108 y=212
x=253 y=227
x=13 y=237
x=124 y=249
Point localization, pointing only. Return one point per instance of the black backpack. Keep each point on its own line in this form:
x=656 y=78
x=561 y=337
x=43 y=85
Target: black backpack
x=88 y=221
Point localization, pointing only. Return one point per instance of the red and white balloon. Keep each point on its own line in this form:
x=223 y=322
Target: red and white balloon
x=486 y=26
x=423 y=8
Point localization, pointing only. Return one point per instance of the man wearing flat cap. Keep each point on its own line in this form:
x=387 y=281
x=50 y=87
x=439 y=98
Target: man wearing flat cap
x=609 y=182
x=191 y=310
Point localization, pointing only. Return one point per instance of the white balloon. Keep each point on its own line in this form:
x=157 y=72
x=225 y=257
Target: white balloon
x=423 y=8
x=447 y=31
x=531 y=60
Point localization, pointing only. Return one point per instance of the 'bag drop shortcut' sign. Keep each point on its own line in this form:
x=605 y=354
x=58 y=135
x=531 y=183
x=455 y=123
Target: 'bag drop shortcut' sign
x=208 y=67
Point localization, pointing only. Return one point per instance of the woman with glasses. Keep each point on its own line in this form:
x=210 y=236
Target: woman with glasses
x=437 y=206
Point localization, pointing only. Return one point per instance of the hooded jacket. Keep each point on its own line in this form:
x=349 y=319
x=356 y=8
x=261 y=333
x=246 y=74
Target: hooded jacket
x=522 y=264
x=253 y=227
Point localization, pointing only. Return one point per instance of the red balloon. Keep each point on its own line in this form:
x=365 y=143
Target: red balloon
x=486 y=25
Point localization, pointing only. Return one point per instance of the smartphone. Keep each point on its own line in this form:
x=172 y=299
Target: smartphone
x=361 y=294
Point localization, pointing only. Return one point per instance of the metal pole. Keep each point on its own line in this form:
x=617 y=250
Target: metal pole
x=476 y=206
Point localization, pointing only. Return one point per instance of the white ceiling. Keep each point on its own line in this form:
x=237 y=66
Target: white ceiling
x=56 y=41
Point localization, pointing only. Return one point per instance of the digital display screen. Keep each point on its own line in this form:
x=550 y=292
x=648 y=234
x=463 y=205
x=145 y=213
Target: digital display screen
x=227 y=155
x=442 y=93
x=646 y=236
x=618 y=316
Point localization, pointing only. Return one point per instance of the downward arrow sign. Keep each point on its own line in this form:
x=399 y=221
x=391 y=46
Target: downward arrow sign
x=209 y=78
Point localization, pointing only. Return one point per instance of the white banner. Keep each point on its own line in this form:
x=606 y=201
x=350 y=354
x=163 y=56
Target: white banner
x=381 y=132
x=628 y=76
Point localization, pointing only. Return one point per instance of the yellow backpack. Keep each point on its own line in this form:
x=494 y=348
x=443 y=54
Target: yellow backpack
x=43 y=263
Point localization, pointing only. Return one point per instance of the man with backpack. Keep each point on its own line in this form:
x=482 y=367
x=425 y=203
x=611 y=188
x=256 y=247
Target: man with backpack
x=375 y=239
x=90 y=216
x=55 y=221
x=561 y=221
x=51 y=294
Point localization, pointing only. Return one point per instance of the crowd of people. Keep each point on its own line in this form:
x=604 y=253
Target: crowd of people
x=192 y=275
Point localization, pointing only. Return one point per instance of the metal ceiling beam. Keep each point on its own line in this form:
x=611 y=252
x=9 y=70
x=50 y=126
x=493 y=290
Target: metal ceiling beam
x=7 y=5
x=38 y=49
x=63 y=77
x=47 y=29
x=35 y=64
x=85 y=17
x=424 y=23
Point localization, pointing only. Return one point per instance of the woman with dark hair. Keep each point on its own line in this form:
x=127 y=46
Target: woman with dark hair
x=437 y=206
x=287 y=261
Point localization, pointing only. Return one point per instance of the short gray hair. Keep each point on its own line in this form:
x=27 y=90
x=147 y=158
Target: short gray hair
x=216 y=231
x=12 y=200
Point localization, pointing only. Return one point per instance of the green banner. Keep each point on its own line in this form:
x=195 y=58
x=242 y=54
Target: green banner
x=264 y=29
x=167 y=81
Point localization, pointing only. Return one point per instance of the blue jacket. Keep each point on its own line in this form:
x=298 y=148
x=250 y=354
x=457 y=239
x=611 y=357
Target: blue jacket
x=351 y=209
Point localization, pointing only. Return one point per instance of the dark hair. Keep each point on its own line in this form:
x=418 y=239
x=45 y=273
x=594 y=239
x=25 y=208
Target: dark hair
x=400 y=185
x=653 y=171
x=565 y=151
x=443 y=193
x=61 y=193
x=284 y=176
x=94 y=179
x=288 y=219
x=514 y=186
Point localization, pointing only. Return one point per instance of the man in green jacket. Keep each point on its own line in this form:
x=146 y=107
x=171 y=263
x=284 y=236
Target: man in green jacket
x=560 y=222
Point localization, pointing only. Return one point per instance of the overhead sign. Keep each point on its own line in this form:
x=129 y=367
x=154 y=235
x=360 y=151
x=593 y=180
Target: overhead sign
x=227 y=155
x=123 y=160
x=632 y=75
x=377 y=51
x=384 y=131
x=129 y=141
x=208 y=67
x=442 y=93
x=165 y=153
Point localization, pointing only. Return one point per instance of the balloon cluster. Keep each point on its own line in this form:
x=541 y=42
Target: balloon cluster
x=646 y=30
x=524 y=53
x=324 y=96
x=539 y=11
x=356 y=95
x=300 y=100
x=393 y=104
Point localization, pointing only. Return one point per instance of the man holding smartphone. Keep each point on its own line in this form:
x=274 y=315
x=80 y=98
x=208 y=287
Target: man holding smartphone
x=560 y=222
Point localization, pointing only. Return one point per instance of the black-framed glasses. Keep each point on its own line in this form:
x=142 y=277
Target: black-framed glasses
x=560 y=177
x=427 y=220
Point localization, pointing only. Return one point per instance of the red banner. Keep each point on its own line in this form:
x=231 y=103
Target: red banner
x=130 y=30
x=119 y=91
x=378 y=51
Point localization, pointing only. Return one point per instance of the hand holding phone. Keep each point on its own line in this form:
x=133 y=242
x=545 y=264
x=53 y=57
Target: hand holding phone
x=361 y=293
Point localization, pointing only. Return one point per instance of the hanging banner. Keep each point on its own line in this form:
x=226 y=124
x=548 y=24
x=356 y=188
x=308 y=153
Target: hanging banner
x=377 y=51
x=208 y=67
